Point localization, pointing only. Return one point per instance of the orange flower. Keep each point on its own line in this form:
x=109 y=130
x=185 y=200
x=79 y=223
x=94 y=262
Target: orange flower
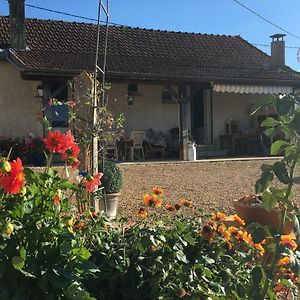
x=79 y=225
x=142 y=213
x=12 y=181
x=158 y=202
x=186 y=203
x=169 y=207
x=92 y=181
x=157 y=191
x=147 y=199
x=93 y=214
x=218 y=216
x=288 y=242
x=259 y=248
x=284 y=261
x=207 y=232
x=152 y=200
x=238 y=220
x=233 y=230
x=213 y=224
x=222 y=229
x=245 y=237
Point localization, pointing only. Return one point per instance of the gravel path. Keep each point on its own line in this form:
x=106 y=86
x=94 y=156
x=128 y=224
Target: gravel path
x=212 y=186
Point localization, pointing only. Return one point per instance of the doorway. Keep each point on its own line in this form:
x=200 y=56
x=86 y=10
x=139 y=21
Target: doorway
x=201 y=117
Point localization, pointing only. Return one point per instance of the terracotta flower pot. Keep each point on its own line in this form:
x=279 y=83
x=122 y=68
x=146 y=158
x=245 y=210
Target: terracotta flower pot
x=251 y=212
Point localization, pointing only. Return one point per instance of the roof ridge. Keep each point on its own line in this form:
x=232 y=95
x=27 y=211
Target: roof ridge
x=133 y=28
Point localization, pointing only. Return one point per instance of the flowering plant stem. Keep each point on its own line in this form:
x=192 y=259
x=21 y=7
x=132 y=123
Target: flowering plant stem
x=49 y=162
x=286 y=202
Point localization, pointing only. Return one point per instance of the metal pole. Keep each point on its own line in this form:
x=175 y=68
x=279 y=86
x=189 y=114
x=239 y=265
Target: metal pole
x=99 y=93
x=95 y=107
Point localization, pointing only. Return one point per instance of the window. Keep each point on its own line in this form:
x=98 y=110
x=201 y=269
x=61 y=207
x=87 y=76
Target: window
x=167 y=98
x=132 y=88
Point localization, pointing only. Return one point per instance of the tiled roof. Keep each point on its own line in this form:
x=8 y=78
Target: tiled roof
x=60 y=46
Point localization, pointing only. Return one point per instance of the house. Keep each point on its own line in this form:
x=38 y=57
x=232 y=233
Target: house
x=200 y=83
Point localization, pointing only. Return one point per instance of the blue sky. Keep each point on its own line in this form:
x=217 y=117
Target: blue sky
x=211 y=16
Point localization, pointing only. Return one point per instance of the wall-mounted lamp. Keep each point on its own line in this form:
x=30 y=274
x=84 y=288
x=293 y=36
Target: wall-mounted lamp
x=40 y=91
x=130 y=99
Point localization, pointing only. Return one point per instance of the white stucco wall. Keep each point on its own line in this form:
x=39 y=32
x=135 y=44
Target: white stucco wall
x=228 y=106
x=147 y=111
x=18 y=105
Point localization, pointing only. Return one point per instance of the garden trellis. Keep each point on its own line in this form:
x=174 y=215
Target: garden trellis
x=99 y=93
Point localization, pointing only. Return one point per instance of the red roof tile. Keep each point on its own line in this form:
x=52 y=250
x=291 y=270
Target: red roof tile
x=65 y=46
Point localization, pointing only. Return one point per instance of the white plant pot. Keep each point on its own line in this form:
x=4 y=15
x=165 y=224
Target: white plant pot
x=112 y=201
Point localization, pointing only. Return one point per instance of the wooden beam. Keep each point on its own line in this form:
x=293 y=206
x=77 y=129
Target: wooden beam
x=172 y=92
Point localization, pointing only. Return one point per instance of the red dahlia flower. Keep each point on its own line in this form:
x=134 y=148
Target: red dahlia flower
x=71 y=155
x=54 y=141
x=65 y=145
x=92 y=181
x=12 y=181
x=68 y=142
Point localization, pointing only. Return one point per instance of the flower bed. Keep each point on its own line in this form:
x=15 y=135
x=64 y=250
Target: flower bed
x=48 y=250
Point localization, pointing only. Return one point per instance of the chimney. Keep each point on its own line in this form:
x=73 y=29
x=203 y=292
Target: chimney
x=278 y=50
x=17 y=24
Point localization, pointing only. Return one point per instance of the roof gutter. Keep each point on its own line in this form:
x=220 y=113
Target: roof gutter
x=5 y=55
x=160 y=78
x=263 y=81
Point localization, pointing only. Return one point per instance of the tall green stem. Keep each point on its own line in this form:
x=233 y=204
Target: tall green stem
x=276 y=255
x=49 y=162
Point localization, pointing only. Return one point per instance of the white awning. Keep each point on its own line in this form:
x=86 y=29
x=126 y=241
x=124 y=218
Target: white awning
x=252 y=89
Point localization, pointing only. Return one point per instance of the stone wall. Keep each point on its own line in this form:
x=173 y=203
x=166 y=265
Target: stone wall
x=18 y=106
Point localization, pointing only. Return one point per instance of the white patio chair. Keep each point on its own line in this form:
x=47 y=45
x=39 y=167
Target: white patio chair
x=137 y=138
x=112 y=147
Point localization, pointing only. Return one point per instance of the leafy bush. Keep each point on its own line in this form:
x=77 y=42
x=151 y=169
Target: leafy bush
x=41 y=257
x=49 y=251
x=288 y=124
x=173 y=257
x=112 y=179
x=42 y=253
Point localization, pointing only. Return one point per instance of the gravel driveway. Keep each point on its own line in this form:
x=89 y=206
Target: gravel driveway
x=211 y=185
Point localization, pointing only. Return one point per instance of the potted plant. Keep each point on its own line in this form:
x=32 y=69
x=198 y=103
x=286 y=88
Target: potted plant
x=273 y=206
x=111 y=183
x=250 y=208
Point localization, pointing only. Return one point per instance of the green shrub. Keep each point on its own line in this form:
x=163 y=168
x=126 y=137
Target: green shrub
x=169 y=261
x=41 y=255
x=112 y=179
